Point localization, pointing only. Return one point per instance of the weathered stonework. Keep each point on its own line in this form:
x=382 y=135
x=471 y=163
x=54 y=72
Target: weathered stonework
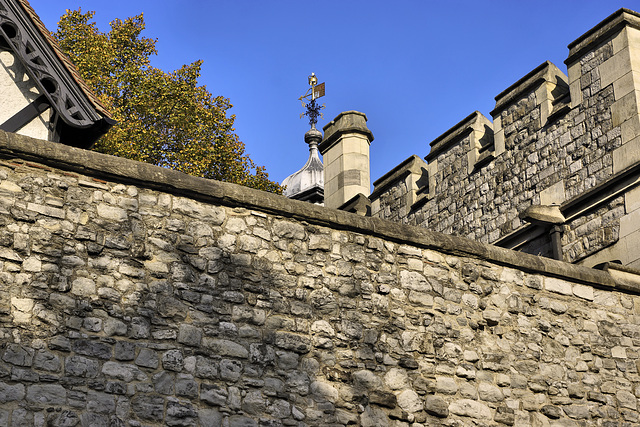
x=134 y=295
x=554 y=140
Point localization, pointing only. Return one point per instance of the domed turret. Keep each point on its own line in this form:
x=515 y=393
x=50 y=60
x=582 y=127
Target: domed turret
x=308 y=183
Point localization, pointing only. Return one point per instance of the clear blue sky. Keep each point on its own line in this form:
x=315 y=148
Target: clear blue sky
x=415 y=68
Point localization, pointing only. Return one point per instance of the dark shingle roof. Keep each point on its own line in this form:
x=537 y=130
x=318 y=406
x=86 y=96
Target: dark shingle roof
x=71 y=68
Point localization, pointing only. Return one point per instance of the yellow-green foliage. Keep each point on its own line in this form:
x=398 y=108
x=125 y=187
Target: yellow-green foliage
x=163 y=118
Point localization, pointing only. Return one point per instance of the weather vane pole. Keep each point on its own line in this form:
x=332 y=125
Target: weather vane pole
x=313 y=108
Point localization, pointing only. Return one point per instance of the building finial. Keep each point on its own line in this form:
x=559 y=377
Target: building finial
x=313 y=108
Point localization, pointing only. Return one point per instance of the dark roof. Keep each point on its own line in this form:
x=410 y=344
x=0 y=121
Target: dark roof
x=84 y=117
x=64 y=58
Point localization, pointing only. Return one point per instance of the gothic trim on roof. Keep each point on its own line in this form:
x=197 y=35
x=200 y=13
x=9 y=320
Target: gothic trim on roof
x=79 y=120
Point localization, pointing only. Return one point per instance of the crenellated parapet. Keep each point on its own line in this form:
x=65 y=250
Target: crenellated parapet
x=567 y=144
x=530 y=103
x=400 y=189
x=474 y=135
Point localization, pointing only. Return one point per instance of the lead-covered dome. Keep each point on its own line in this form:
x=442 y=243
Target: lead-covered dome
x=308 y=183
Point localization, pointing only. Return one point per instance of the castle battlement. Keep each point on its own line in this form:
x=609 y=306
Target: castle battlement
x=554 y=139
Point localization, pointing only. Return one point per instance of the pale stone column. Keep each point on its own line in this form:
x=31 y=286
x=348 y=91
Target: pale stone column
x=345 y=153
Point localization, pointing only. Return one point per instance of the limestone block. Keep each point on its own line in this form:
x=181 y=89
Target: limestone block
x=543 y=214
x=332 y=155
x=352 y=191
x=576 y=92
x=332 y=169
x=111 y=212
x=437 y=406
x=331 y=186
x=615 y=67
x=446 y=385
x=83 y=286
x=583 y=291
x=545 y=100
x=323 y=390
x=632 y=200
x=47 y=210
x=354 y=143
x=357 y=161
x=553 y=195
x=630 y=129
x=626 y=84
x=10 y=187
x=470 y=408
x=624 y=108
x=574 y=72
x=559 y=286
x=489 y=392
x=32 y=264
x=628 y=154
x=410 y=401
x=632 y=242
x=396 y=379
x=630 y=223
x=432 y=171
x=621 y=40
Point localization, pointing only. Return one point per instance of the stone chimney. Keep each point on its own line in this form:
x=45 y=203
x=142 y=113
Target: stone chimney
x=345 y=152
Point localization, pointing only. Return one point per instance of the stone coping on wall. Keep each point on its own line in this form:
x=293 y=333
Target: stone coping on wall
x=458 y=131
x=102 y=166
x=625 y=277
x=413 y=164
x=358 y=204
x=545 y=72
x=602 y=32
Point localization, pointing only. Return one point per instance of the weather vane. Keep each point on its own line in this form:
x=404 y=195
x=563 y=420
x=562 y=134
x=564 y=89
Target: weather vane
x=313 y=108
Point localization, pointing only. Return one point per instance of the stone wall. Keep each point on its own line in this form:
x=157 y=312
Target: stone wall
x=132 y=295
x=551 y=146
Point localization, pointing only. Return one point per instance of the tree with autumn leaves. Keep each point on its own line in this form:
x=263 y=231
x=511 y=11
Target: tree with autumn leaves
x=163 y=118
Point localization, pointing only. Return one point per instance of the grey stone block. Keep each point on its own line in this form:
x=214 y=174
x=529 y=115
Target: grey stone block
x=214 y=395
x=164 y=382
x=46 y=394
x=125 y=350
x=80 y=366
x=147 y=358
x=189 y=335
x=92 y=348
x=46 y=361
x=18 y=355
x=11 y=392
x=148 y=407
x=173 y=360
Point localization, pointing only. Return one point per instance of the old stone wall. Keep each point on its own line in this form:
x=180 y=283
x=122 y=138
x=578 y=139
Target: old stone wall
x=551 y=147
x=132 y=295
x=394 y=203
x=485 y=204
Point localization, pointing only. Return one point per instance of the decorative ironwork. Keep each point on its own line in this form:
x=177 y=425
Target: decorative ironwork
x=313 y=108
x=49 y=75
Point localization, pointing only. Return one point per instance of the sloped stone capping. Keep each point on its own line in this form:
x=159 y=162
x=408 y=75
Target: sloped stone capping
x=128 y=298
